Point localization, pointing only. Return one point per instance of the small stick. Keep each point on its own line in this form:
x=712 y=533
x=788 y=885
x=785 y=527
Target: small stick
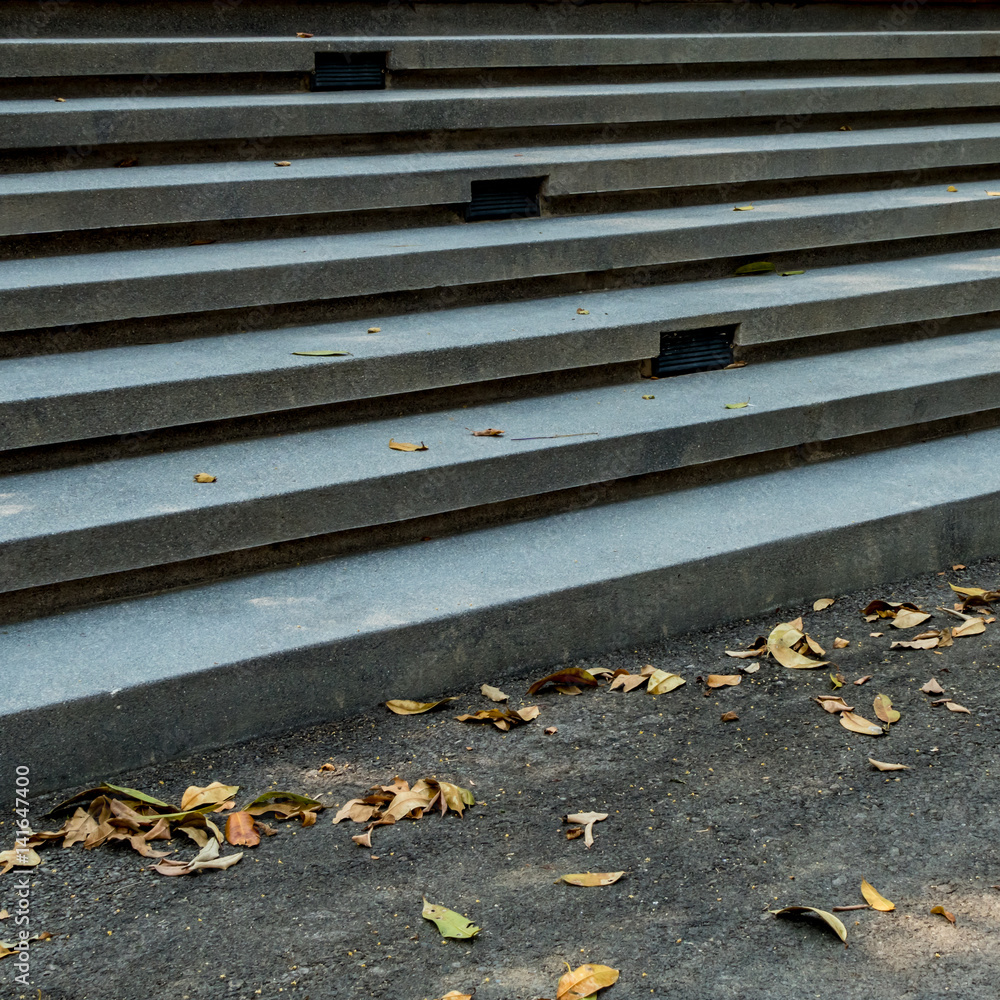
x=958 y=614
x=544 y=437
x=857 y=906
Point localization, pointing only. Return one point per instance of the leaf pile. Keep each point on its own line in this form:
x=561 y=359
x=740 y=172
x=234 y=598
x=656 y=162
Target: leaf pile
x=502 y=718
x=656 y=681
x=792 y=648
x=389 y=803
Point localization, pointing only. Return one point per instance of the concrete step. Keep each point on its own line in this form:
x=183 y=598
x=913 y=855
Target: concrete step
x=144 y=119
x=147 y=511
x=49 y=201
x=65 y=397
x=55 y=291
x=55 y=57
x=163 y=676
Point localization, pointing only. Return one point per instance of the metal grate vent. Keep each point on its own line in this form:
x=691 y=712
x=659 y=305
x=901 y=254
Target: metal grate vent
x=349 y=71
x=504 y=199
x=689 y=351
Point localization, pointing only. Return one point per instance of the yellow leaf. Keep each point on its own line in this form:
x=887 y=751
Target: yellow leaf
x=591 y=878
x=583 y=312
x=882 y=706
x=203 y=477
x=994 y=194
x=585 y=981
x=737 y=406
x=951 y=187
x=493 y=693
x=834 y=923
x=882 y=766
x=857 y=724
x=874 y=898
x=950 y=917
x=402 y=706
x=406 y=446
x=660 y=682
x=195 y=797
x=823 y=603
x=374 y=329
x=723 y=680
x=649 y=397
x=743 y=208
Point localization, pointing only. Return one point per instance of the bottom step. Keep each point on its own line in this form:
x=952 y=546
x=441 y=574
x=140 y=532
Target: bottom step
x=95 y=691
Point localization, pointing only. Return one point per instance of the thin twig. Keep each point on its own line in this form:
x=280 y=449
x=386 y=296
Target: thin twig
x=857 y=906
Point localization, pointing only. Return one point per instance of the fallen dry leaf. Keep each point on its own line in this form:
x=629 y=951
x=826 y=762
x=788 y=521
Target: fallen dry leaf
x=504 y=718
x=951 y=187
x=976 y=594
x=374 y=329
x=743 y=208
x=976 y=626
x=737 y=406
x=240 y=830
x=953 y=706
x=195 y=797
x=932 y=687
x=323 y=354
x=662 y=682
x=649 y=397
x=823 y=603
x=568 y=689
x=583 y=312
x=550 y=730
x=490 y=432
x=587 y=821
x=363 y=839
x=328 y=767
x=406 y=446
x=626 y=681
x=456 y=995
x=402 y=706
x=206 y=859
x=834 y=923
x=585 y=981
x=449 y=923
x=915 y=644
x=751 y=668
x=203 y=477
x=833 y=703
x=841 y=643
x=950 y=917
x=864 y=680
x=905 y=618
x=591 y=878
x=723 y=680
x=759 y=649
x=4 y=914
x=886 y=609
x=729 y=717
x=23 y=857
x=785 y=644
x=958 y=566
x=282 y=163
x=568 y=675
x=857 y=724
x=882 y=766
x=875 y=899
x=493 y=693
x=303 y=34
x=882 y=706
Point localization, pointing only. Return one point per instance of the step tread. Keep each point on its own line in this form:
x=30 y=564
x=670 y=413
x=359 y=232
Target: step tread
x=146 y=510
x=121 y=284
x=152 y=118
x=50 y=201
x=271 y=651
x=97 y=56
x=62 y=397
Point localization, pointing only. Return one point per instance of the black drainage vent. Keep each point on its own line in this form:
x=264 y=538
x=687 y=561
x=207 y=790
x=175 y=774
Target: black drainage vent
x=689 y=351
x=504 y=199
x=349 y=71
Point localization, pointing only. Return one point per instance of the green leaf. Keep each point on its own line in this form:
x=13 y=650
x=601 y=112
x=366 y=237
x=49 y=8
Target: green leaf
x=323 y=354
x=828 y=918
x=106 y=789
x=737 y=406
x=300 y=800
x=757 y=267
x=788 y=274
x=449 y=923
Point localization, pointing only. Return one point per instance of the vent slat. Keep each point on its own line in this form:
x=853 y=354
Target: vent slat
x=508 y=198
x=349 y=71
x=686 y=352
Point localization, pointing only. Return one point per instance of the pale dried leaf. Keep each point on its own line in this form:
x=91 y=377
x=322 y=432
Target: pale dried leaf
x=950 y=917
x=723 y=680
x=751 y=668
x=587 y=821
x=780 y=642
x=834 y=923
x=729 y=717
x=195 y=797
x=490 y=432
x=905 y=618
x=932 y=687
x=953 y=706
x=568 y=675
x=584 y=982
x=529 y=713
x=493 y=693
x=915 y=644
x=363 y=839
x=402 y=706
x=591 y=878
x=204 y=477
x=839 y=643
x=823 y=603
x=863 y=680
x=975 y=626
x=406 y=446
x=23 y=857
x=626 y=681
x=882 y=707
x=858 y=724
x=882 y=766
x=568 y=689
x=833 y=703
x=662 y=682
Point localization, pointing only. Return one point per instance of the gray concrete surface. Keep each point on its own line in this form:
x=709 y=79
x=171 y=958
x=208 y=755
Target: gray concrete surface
x=81 y=288
x=152 y=679
x=55 y=57
x=147 y=511
x=72 y=200
x=713 y=823
x=100 y=120
x=64 y=397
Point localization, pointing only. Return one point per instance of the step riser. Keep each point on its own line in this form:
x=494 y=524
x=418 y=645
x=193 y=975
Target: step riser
x=172 y=718
x=29 y=124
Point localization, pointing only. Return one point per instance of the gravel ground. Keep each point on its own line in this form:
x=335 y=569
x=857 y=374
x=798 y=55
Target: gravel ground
x=713 y=822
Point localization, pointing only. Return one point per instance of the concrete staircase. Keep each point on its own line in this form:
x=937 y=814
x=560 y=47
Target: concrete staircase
x=161 y=269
